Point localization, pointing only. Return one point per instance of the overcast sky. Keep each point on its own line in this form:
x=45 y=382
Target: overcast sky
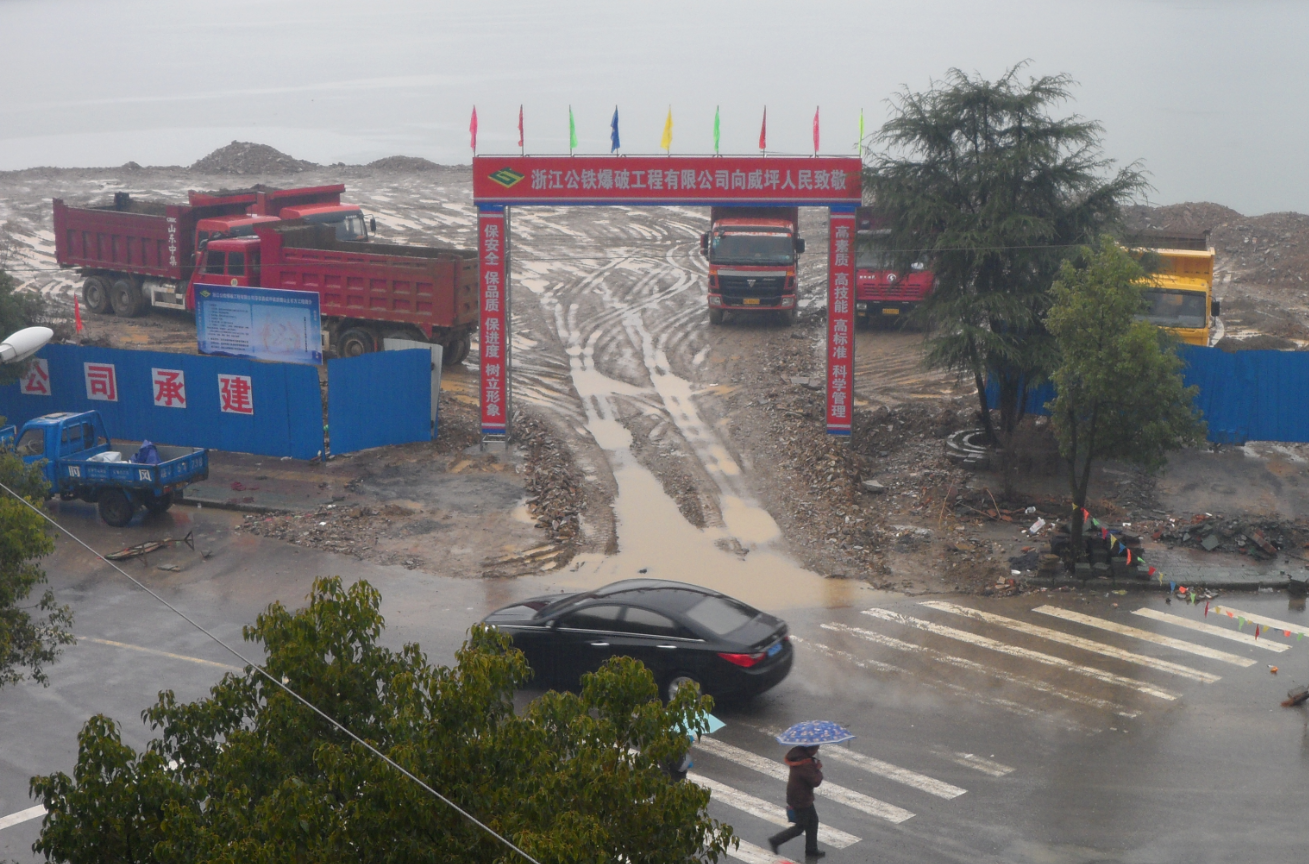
x=1209 y=94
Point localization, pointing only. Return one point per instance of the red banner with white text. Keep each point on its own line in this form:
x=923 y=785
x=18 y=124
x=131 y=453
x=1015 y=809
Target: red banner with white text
x=840 y=323
x=493 y=253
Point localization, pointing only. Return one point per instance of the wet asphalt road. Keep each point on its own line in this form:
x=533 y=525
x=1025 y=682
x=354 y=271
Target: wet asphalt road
x=1016 y=749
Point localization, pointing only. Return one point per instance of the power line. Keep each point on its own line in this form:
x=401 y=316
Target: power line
x=238 y=655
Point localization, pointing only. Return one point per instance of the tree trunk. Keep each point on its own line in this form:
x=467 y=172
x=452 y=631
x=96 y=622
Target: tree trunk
x=985 y=411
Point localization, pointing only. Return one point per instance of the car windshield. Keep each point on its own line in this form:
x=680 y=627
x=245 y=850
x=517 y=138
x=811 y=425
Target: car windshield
x=32 y=443
x=753 y=248
x=1173 y=308
x=721 y=615
x=349 y=225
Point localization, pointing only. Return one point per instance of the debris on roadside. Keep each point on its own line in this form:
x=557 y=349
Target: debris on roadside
x=1296 y=696
x=141 y=549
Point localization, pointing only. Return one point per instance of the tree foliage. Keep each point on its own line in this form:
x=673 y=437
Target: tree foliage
x=17 y=310
x=1119 y=390
x=249 y=774
x=30 y=633
x=980 y=180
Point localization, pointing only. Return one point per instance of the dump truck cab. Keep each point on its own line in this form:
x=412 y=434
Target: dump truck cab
x=1179 y=293
x=347 y=220
x=752 y=260
x=233 y=261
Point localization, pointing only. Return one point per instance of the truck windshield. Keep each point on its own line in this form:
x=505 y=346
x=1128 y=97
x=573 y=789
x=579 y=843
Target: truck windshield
x=1173 y=308
x=757 y=248
x=32 y=443
x=872 y=255
x=349 y=225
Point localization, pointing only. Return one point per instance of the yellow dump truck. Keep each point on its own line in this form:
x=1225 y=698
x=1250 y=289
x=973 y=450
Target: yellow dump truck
x=1180 y=295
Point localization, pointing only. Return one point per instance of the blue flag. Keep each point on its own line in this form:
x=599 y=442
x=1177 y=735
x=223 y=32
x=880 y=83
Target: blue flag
x=613 y=132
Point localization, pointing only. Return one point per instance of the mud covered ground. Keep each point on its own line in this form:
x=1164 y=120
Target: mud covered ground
x=639 y=427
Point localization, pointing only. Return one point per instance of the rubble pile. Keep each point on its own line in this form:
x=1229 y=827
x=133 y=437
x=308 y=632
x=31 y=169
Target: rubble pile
x=1261 y=539
x=554 y=493
x=403 y=164
x=243 y=157
x=345 y=530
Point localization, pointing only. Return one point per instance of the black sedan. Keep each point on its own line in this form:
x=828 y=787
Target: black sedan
x=680 y=632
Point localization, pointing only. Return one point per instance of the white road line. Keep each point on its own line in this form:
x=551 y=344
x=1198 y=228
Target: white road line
x=157 y=652
x=775 y=768
x=1075 y=641
x=1274 y=623
x=761 y=809
x=1015 y=651
x=1146 y=635
x=977 y=763
x=22 y=816
x=921 y=782
x=1221 y=632
x=752 y=854
x=971 y=695
x=974 y=666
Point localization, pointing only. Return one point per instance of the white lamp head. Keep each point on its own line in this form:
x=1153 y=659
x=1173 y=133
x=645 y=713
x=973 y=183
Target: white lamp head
x=24 y=343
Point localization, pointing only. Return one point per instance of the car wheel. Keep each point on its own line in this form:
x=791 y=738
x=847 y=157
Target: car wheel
x=676 y=682
x=95 y=294
x=115 y=508
x=356 y=342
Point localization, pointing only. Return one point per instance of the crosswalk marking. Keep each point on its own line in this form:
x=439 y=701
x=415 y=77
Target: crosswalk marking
x=1015 y=651
x=22 y=816
x=921 y=782
x=974 y=666
x=761 y=809
x=977 y=763
x=1221 y=632
x=1145 y=635
x=775 y=768
x=1075 y=641
x=1256 y=618
x=752 y=854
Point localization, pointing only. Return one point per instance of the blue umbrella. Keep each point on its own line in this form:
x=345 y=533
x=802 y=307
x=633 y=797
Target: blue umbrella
x=813 y=732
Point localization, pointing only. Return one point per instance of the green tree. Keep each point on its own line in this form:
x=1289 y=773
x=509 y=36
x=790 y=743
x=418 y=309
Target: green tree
x=1118 y=380
x=17 y=310
x=249 y=774
x=30 y=634
x=980 y=180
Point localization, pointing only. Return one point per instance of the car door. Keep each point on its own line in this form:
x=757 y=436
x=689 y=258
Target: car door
x=654 y=639
x=584 y=639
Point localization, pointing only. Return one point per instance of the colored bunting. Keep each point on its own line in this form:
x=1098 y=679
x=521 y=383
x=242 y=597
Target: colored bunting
x=859 y=145
x=716 y=130
x=815 y=131
x=614 y=143
x=572 y=132
x=472 y=130
x=763 y=132
x=666 y=141
x=520 y=128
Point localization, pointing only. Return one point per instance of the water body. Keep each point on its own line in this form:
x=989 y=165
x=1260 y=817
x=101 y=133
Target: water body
x=1207 y=93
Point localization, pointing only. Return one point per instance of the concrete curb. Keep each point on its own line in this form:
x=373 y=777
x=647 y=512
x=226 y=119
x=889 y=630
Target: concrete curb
x=1153 y=584
x=237 y=506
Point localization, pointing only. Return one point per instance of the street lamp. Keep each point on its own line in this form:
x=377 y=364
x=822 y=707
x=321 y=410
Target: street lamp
x=24 y=343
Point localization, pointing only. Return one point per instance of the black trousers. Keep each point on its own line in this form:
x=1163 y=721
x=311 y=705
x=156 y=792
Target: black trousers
x=806 y=823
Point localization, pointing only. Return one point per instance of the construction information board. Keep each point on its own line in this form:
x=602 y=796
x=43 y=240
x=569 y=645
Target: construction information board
x=259 y=323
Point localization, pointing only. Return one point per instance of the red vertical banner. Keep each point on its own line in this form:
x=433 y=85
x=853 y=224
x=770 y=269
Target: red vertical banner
x=840 y=321
x=493 y=259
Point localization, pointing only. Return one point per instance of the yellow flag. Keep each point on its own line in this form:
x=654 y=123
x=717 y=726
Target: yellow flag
x=666 y=142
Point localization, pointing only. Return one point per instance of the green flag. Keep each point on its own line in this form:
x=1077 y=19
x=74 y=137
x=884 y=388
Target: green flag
x=572 y=132
x=715 y=130
x=859 y=147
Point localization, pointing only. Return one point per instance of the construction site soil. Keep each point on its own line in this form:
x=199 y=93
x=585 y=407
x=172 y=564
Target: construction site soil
x=618 y=373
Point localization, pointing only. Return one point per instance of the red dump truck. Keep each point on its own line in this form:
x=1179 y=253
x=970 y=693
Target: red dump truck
x=136 y=254
x=883 y=293
x=368 y=291
x=752 y=260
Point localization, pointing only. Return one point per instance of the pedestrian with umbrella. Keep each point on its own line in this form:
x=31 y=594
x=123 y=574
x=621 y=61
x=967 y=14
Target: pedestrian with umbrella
x=806 y=775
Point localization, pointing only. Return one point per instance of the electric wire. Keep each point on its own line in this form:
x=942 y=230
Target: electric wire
x=302 y=700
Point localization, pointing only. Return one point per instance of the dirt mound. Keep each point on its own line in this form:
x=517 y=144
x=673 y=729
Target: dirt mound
x=1190 y=216
x=1260 y=342
x=1272 y=249
x=404 y=164
x=244 y=157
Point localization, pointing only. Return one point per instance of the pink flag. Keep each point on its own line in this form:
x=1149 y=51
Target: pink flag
x=472 y=130
x=815 y=131
x=520 y=127
x=763 y=131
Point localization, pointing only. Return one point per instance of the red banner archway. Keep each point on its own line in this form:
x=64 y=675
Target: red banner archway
x=503 y=182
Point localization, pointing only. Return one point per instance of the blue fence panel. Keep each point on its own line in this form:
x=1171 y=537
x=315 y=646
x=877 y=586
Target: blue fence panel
x=286 y=414
x=1036 y=397
x=379 y=399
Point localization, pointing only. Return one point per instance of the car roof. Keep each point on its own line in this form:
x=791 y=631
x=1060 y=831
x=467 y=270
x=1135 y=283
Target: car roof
x=655 y=593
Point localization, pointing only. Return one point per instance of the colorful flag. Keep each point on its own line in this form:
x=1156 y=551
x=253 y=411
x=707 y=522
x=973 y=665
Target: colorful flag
x=613 y=132
x=666 y=141
x=77 y=314
x=520 y=127
x=859 y=145
x=472 y=130
x=716 y=130
x=572 y=132
x=815 y=131
x=763 y=131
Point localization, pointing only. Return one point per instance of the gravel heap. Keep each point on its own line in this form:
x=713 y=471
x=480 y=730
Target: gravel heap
x=244 y=157
x=553 y=482
x=404 y=164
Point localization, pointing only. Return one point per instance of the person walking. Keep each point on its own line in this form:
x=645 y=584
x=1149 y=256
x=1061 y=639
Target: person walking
x=806 y=775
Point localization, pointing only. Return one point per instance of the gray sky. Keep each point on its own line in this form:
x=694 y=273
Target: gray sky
x=1209 y=94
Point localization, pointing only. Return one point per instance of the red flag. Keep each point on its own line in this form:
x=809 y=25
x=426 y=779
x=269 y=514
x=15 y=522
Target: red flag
x=472 y=130
x=520 y=127
x=763 y=131
x=815 y=131
x=1206 y=608
x=77 y=314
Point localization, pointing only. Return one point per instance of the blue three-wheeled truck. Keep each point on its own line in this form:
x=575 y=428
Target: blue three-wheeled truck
x=80 y=462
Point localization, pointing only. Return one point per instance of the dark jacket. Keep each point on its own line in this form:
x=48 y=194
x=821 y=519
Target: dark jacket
x=805 y=776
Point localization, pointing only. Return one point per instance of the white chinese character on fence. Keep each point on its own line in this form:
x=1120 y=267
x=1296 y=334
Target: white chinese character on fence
x=755 y=179
x=491 y=278
x=838 y=411
x=671 y=177
x=573 y=180
x=638 y=179
x=622 y=179
x=842 y=259
x=606 y=178
x=738 y=179
x=688 y=178
x=588 y=178
x=788 y=183
x=656 y=180
x=838 y=353
x=806 y=179
x=556 y=179
x=493 y=371
x=840 y=307
x=169 y=388
x=492 y=304
x=492 y=230
x=837 y=179
x=820 y=179
x=36 y=379
x=771 y=179
x=722 y=180
x=235 y=395
x=540 y=178
x=101 y=382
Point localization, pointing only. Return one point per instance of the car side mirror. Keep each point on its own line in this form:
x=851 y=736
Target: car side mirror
x=372 y=223
x=704 y=244
x=799 y=245
x=1214 y=308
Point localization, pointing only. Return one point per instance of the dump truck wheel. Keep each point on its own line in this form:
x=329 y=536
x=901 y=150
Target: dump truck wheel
x=788 y=318
x=715 y=316
x=95 y=294
x=115 y=508
x=459 y=350
x=127 y=298
x=356 y=342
